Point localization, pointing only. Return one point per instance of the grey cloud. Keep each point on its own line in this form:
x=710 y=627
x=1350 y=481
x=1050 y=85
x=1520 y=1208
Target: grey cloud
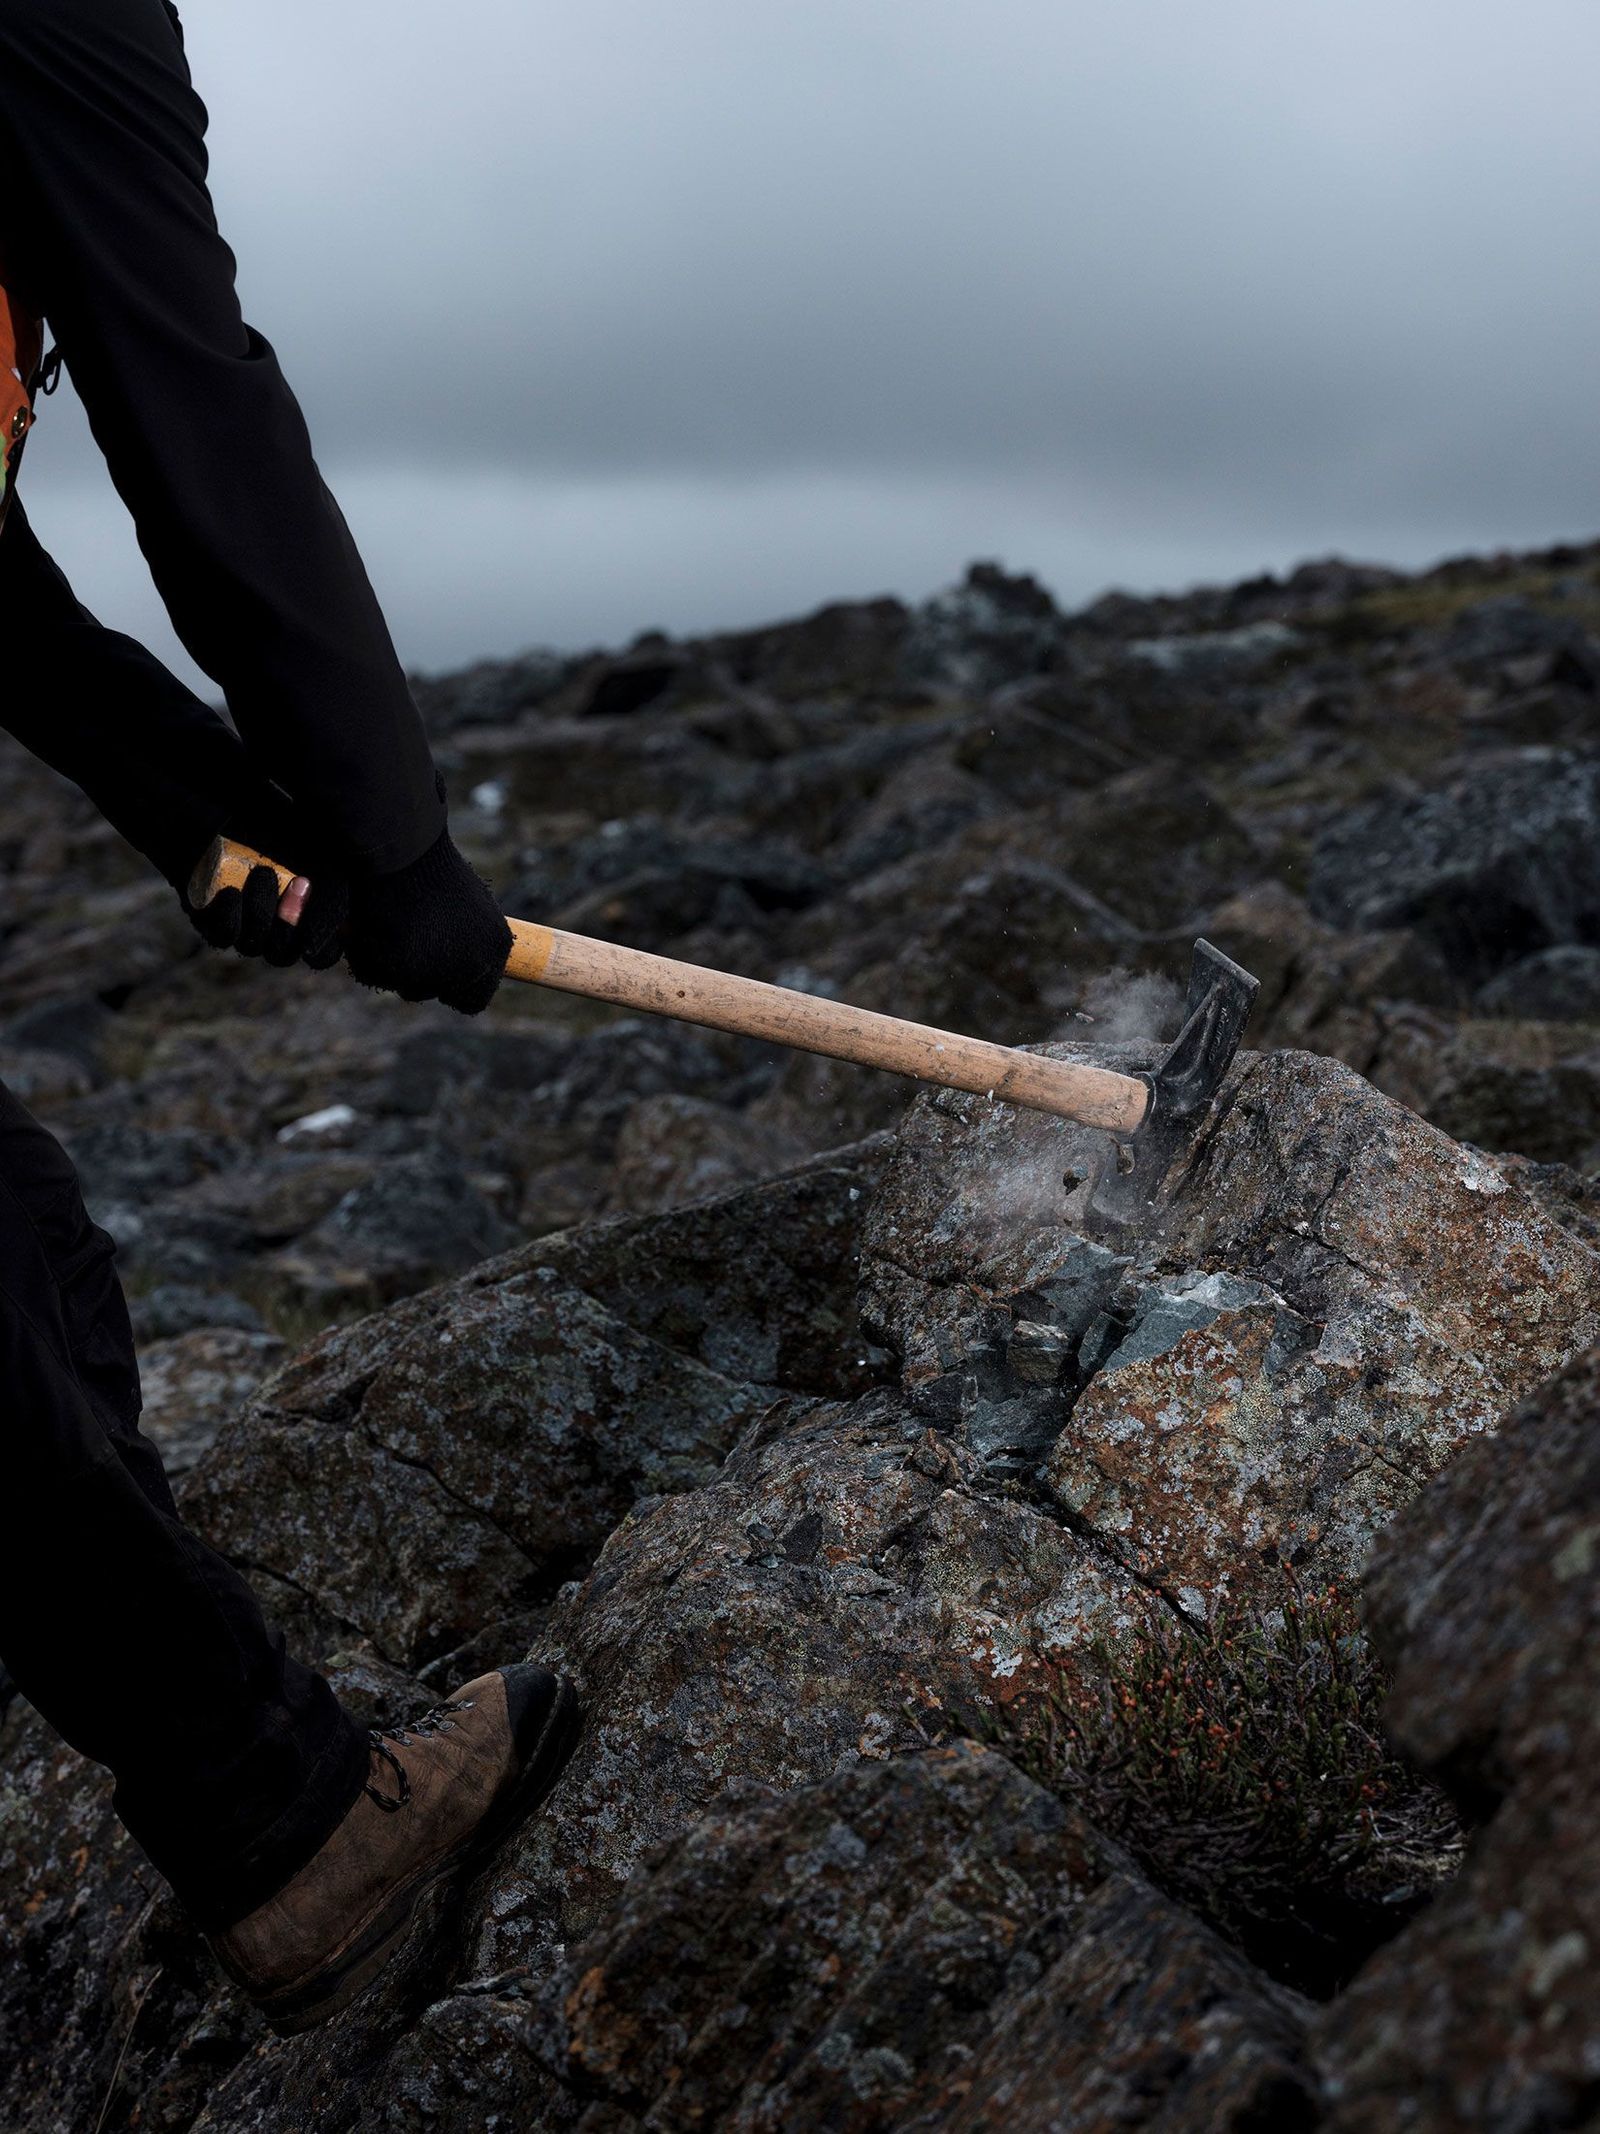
x=1171 y=287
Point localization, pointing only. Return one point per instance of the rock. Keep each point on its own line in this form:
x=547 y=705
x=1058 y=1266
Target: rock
x=1193 y=1413
x=1560 y=985
x=41 y=1077
x=557 y=1195
x=1521 y=645
x=1528 y=1088
x=922 y=804
x=1254 y=644
x=1182 y=1304
x=1001 y=944
x=582 y=1106
x=785 y=1515
x=989 y=630
x=106 y=943
x=1323 y=991
x=1499 y=860
x=758 y=1284
x=843 y=1576
x=1325 y=1340
x=675 y=1149
x=405 y=1226
x=1485 y=1595
x=1566 y=1197
x=1038 y=1355
x=53 y=1051
x=1032 y=742
x=433 y=1465
x=1300 y=1186
x=976 y=1207
x=598 y=768
x=74 y=1026
x=131 y=1175
x=456 y=1458
x=263 y=1204
x=647 y=884
x=194 y=1382
x=328 y=1128
x=173 y=1308
x=1312 y=590
x=94 y=1941
x=492 y=692
x=1080 y=2052
x=853 y=644
x=130 y=1165
x=435 y=1065
x=1106 y=844
x=932 y=1942
x=817 y=794
x=457 y=2064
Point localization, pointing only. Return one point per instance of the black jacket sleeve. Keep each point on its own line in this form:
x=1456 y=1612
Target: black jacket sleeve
x=160 y=766
x=110 y=227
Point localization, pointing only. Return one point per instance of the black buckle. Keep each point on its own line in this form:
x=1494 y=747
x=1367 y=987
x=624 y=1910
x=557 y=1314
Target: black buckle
x=47 y=377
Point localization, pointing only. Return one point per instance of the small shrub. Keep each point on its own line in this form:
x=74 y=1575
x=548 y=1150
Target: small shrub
x=1243 y=1765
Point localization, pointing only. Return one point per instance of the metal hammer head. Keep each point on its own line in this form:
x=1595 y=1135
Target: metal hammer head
x=1221 y=996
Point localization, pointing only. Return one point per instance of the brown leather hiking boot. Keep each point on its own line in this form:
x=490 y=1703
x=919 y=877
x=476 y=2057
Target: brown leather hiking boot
x=443 y=1788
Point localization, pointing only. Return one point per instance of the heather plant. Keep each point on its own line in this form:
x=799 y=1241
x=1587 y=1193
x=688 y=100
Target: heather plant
x=1244 y=1765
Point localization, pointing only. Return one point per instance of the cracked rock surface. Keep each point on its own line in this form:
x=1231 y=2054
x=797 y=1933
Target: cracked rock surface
x=1485 y=1595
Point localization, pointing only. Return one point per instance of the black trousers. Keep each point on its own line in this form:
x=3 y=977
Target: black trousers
x=139 y=1644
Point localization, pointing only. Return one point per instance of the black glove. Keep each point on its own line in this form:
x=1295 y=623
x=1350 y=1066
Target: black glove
x=432 y=931
x=247 y=919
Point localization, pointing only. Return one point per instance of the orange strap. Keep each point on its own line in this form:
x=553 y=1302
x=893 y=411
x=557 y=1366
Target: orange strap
x=21 y=346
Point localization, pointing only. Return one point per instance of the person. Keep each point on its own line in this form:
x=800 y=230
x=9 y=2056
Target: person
x=298 y=1841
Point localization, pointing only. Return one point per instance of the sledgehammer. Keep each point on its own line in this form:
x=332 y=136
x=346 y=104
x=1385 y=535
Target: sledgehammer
x=1220 y=999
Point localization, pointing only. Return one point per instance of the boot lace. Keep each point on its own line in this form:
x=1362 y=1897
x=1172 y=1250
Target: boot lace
x=439 y=1720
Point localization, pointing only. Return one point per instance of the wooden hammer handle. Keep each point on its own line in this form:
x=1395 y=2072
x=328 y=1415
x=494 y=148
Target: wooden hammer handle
x=629 y=978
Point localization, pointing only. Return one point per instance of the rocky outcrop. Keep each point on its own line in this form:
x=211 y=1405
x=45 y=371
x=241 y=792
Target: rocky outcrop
x=807 y=1430
x=931 y=1942
x=471 y=1448
x=837 y=1585
x=1327 y=1301
x=777 y=1548
x=1485 y=1594
x=1493 y=864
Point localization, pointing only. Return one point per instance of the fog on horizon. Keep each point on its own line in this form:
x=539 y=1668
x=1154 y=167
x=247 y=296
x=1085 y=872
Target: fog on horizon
x=630 y=316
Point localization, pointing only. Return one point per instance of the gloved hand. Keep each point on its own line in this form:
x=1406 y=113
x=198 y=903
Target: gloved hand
x=432 y=931
x=247 y=919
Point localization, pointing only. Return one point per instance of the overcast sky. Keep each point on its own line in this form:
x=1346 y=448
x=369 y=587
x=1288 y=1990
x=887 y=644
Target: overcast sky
x=689 y=313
